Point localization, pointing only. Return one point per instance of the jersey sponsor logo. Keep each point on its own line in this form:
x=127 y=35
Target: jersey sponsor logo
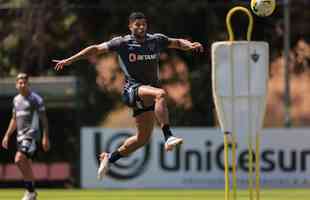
x=132 y=57
x=22 y=113
x=22 y=104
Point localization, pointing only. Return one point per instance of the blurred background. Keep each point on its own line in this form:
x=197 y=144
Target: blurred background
x=87 y=94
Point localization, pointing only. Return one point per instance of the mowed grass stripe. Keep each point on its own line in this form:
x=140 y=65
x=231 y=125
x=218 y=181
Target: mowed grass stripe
x=75 y=194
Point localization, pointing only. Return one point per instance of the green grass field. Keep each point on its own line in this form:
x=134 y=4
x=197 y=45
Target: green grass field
x=72 y=194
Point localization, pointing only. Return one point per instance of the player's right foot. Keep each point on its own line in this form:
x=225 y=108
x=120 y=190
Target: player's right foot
x=30 y=196
x=172 y=142
x=104 y=165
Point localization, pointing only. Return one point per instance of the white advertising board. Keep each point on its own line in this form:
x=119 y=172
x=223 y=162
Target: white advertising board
x=198 y=163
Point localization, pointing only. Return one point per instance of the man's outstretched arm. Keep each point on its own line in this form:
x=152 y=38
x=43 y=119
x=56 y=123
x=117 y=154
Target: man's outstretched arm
x=84 y=53
x=184 y=45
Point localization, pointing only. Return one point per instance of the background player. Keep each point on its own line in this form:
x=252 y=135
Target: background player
x=28 y=107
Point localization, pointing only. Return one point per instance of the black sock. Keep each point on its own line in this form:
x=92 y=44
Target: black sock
x=167 y=132
x=29 y=185
x=114 y=156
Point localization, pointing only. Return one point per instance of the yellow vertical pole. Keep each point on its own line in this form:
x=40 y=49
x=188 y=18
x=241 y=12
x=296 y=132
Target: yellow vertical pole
x=257 y=166
x=226 y=166
x=250 y=152
x=231 y=38
x=234 y=166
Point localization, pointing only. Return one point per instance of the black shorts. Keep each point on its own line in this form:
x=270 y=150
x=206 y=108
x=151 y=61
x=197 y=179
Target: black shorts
x=131 y=98
x=27 y=147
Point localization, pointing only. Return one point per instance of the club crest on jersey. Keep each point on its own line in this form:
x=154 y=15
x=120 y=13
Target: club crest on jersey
x=151 y=46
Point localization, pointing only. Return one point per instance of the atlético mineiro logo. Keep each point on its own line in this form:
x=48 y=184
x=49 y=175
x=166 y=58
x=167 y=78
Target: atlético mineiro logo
x=151 y=46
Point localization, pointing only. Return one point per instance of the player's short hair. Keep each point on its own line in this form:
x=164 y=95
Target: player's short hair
x=22 y=76
x=136 y=15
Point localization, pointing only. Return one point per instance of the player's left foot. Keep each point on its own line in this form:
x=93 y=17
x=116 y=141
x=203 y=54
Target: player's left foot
x=104 y=165
x=172 y=142
x=30 y=196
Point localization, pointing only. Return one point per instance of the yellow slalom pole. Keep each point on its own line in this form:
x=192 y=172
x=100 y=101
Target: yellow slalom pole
x=232 y=38
x=234 y=166
x=257 y=166
x=226 y=166
x=250 y=152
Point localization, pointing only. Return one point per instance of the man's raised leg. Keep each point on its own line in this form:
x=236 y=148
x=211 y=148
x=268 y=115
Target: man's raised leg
x=145 y=124
x=159 y=96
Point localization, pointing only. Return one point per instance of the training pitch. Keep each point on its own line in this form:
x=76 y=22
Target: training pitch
x=79 y=194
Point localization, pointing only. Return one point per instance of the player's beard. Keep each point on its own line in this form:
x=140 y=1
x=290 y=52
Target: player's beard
x=24 y=91
x=140 y=35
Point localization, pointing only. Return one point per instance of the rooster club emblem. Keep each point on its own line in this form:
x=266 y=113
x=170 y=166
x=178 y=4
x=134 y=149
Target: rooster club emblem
x=255 y=57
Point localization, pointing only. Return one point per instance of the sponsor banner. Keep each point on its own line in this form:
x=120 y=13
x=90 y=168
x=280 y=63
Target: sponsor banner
x=198 y=163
